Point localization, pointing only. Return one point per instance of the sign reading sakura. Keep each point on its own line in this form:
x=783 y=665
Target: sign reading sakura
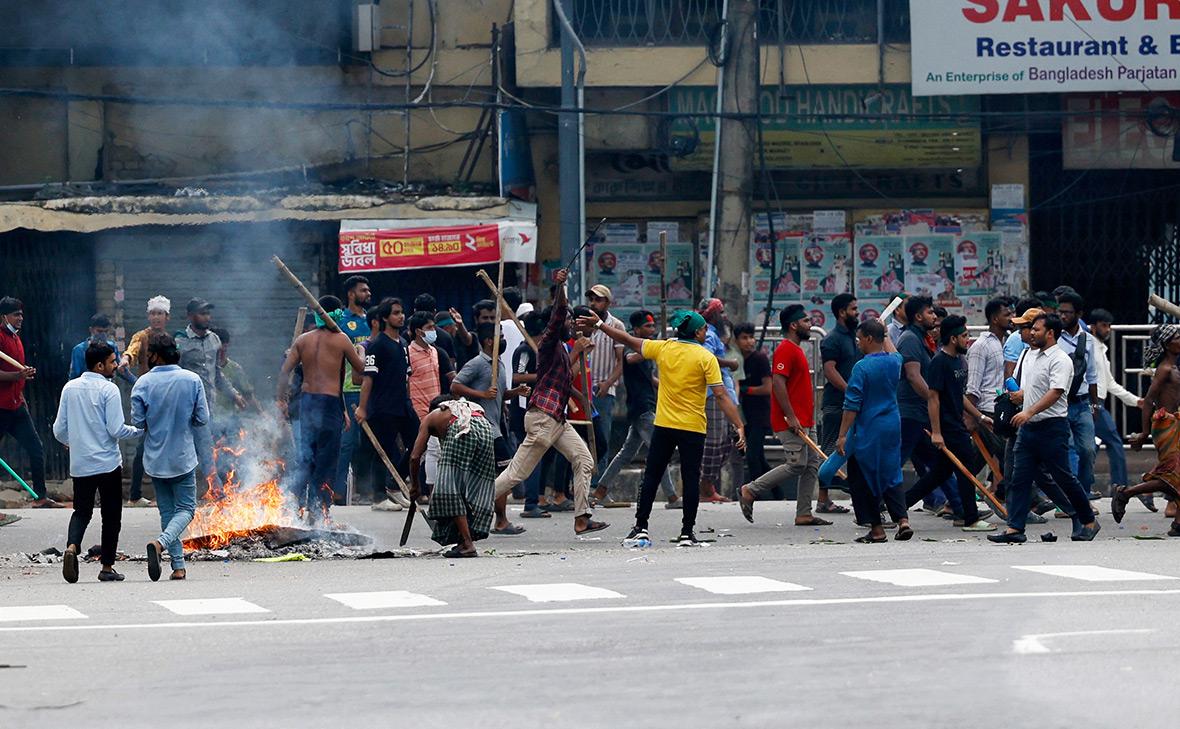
x=377 y=245
x=975 y=47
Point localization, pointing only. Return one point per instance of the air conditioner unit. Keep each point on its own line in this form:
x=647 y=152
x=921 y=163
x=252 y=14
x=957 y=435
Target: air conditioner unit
x=366 y=27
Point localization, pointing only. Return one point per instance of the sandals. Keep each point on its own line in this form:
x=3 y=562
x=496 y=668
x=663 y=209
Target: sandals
x=511 y=530
x=567 y=505
x=1118 y=506
x=747 y=509
x=814 y=521
x=456 y=553
x=593 y=526
x=904 y=533
x=830 y=507
x=870 y=539
x=153 y=560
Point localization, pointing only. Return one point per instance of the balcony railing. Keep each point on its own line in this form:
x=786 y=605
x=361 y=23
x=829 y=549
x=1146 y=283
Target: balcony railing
x=689 y=22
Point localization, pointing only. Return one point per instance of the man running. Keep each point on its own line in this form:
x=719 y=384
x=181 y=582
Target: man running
x=1160 y=406
x=687 y=371
x=461 y=504
x=322 y=354
x=90 y=424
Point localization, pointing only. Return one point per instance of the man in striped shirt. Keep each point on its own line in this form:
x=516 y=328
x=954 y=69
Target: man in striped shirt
x=545 y=422
x=606 y=369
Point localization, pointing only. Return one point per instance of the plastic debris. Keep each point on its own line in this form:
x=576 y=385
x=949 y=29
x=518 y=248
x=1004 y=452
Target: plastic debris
x=293 y=557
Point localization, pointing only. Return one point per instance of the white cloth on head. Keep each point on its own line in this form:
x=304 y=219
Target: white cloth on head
x=159 y=303
x=525 y=308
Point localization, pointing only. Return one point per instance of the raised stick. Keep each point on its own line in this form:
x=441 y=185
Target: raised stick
x=13 y=362
x=300 y=322
x=991 y=499
x=483 y=276
x=897 y=301
x=818 y=451
x=1164 y=305
x=496 y=331
x=312 y=301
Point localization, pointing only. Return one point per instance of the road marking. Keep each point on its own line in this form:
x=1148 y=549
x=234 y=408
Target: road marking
x=383 y=600
x=211 y=606
x=917 y=577
x=559 y=592
x=39 y=612
x=1092 y=573
x=557 y=612
x=1034 y=644
x=740 y=585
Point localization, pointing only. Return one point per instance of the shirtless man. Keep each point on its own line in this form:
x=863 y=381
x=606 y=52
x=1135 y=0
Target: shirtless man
x=1160 y=424
x=322 y=352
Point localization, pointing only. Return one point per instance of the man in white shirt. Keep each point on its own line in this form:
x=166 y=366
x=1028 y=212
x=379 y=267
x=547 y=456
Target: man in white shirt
x=1043 y=440
x=90 y=423
x=985 y=369
x=1104 y=425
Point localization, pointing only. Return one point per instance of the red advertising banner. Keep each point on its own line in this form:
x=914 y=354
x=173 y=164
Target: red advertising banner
x=384 y=249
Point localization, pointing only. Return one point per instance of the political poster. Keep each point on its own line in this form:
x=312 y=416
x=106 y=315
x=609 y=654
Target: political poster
x=879 y=266
x=827 y=264
x=979 y=263
x=930 y=267
x=622 y=268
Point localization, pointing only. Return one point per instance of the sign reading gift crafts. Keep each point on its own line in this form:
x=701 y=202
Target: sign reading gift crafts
x=969 y=47
x=836 y=127
x=367 y=245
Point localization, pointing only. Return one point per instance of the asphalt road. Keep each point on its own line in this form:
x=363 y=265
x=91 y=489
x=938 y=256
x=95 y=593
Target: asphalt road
x=764 y=628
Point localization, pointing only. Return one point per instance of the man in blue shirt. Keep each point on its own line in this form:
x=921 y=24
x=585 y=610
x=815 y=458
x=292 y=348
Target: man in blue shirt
x=169 y=404
x=100 y=331
x=1083 y=393
x=90 y=423
x=719 y=440
x=355 y=325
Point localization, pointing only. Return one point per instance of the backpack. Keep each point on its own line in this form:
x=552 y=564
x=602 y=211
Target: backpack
x=1079 y=365
x=1005 y=409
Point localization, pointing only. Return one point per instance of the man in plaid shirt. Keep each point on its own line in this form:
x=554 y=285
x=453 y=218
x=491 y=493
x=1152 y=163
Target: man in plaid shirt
x=545 y=424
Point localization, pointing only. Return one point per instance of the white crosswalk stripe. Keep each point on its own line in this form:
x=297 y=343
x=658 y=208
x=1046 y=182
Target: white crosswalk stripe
x=39 y=612
x=383 y=600
x=211 y=606
x=559 y=592
x=918 y=577
x=1093 y=573
x=740 y=585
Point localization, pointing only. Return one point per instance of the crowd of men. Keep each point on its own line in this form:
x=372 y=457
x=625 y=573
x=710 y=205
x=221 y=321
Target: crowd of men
x=523 y=402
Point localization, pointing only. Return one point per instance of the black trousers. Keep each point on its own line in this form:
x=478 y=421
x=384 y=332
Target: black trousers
x=941 y=469
x=109 y=487
x=866 y=504
x=388 y=428
x=664 y=443
x=19 y=424
x=756 y=451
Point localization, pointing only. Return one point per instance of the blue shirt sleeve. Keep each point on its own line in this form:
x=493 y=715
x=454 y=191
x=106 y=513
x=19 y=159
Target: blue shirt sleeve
x=201 y=409
x=138 y=411
x=855 y=394
x=1013 y=347
x=78 y=360
x=1091 y=361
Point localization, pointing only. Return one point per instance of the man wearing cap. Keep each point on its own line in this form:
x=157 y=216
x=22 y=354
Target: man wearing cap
x=159 y=310
x=606 y=369
x=792 y=417
x=200 y=351
x=14 y=412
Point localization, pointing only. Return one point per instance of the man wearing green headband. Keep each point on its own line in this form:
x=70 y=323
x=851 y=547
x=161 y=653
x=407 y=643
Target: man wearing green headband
x=687 y=371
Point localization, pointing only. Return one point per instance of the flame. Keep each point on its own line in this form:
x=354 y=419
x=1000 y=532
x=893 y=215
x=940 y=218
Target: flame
x=236 y=508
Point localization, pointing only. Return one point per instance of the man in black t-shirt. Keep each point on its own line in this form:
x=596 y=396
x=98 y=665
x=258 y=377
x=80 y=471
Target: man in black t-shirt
x=839 y=354
x=640 y=383
x=385 y=400
x=946 y=378
x=754 y=393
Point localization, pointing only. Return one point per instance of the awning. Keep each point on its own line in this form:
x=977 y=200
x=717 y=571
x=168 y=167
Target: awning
x=367 y=246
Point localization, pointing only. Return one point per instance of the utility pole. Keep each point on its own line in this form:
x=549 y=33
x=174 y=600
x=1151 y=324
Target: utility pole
x=731 y=240
x=569 y=163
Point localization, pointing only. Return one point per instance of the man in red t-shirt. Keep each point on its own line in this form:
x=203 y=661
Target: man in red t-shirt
x=792 y=413
x=14 y=413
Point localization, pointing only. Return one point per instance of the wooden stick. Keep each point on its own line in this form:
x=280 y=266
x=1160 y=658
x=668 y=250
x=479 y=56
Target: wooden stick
x=588 y=406
x=300 y=322
x=1164 y=305
x=987 y=495
x=496 y=332
x=897 y=301
x=818 y=451
x=483 y=276
x=664 y=284
x=12 y=362
x=312 y=301
x=397 y=477
x=992 y=463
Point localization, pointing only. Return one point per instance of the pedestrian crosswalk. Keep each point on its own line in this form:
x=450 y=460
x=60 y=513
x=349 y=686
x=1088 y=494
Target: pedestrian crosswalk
x=835 y=587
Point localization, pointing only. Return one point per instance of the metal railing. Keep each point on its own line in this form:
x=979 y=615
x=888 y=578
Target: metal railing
x=690 y=22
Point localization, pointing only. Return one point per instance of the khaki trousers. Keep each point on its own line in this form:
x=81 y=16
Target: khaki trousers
x=542 y=432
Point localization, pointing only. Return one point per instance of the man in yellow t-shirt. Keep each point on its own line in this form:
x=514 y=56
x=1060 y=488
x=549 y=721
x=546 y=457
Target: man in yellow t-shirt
x=687 y=371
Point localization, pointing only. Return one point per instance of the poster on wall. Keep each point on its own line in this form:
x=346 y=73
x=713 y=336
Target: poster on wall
x=879 y=266
x=930 y=267
x=827 y=265
x=623 y=268
x=979 y=263
x=679 y=272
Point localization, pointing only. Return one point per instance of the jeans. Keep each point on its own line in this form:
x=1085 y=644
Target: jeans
x=605 y=407
x=756 y=451
x=177 y=500
x=348 y=444
x=320 y=426
x=941 y=470
x=1081 y=426
x=802 y=463
x=638 y=435
x=19 y=424
x=1044 y=445
x=665 y=442
x=137 y=473
x=109 y=487
x=206 y=468
x=1108 y=433
x=829 y=433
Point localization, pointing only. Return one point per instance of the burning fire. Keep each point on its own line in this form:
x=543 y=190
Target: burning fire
x=240 y=507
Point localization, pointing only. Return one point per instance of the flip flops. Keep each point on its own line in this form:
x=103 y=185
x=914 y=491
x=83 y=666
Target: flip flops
x=747 y=509
x=870 y=539
x=593 y=526
x=511 y=530
x=830 y=507
x=904 y=533
x=537 y=513
x=456 y=553
x=1118 y=506
x=69 y=566
x=153 y=559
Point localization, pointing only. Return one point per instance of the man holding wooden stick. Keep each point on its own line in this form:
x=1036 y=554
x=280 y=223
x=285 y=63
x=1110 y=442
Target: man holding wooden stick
x=322 y=352
x=14 y=413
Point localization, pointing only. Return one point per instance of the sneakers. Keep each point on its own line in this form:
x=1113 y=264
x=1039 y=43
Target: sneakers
x=980 y=526
x=983 y=515
x=688 y=539
x=111 y=576
x=677 y=504
x=638 y=538
x=139 y=503
x=387 y=505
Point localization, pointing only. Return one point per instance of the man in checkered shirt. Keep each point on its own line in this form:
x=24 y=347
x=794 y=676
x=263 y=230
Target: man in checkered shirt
x=545 y=424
